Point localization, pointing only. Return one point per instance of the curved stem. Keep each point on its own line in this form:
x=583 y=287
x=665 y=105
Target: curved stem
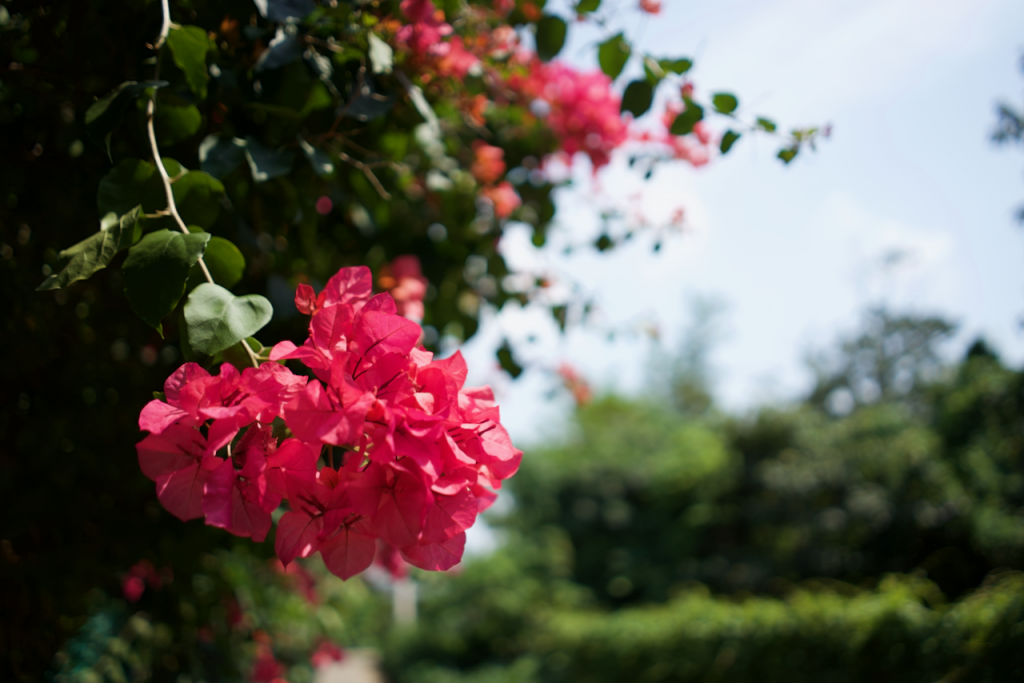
x=172 y=207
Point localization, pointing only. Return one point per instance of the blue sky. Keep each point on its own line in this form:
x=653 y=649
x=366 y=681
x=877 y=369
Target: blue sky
x=797 y=253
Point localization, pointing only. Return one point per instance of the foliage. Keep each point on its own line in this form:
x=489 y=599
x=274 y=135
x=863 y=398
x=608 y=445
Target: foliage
x=795 y=544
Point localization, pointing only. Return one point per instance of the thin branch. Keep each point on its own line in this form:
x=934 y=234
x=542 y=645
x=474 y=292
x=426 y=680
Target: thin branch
x=165 y=28
x=172 y=207
x=368 y=172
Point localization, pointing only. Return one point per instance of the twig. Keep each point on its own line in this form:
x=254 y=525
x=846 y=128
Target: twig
x=172 y=207
x=368 y=172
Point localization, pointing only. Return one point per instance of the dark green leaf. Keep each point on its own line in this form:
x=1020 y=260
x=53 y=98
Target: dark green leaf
x=381 y=55
x=128 y=184
x=788 y=154
x=613 y=54
x=587 y=6
x=189 y=45
x=317 y=158
x=508 y=361
x=95 y=253
x=766 y=125
x=724 y=102
x=728 y=140
x=604 y=243
x=551 y=31
x=368 y=102
x=687 y=119
x=676 y=66
x=105 y=114
x=219 y=156
x=217 y=319
x=173 y=124
x=198 y=197
x=156 y=270
x=224 y=261
x=266 y=162
x=637 y=98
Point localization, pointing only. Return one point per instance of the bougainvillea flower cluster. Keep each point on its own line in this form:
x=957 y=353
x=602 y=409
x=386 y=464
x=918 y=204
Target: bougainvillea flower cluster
x=383 y=442
x=582 y=110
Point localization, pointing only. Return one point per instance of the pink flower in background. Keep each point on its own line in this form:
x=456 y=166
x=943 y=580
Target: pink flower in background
x=403 y=279
x=503 y=197
x=651 y=6
x=583 y=109
x=488 y=163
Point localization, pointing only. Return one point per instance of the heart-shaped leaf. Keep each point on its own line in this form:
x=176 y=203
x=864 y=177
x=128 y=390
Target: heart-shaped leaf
x=551 y=31
x=728 y=140
x=217 y=319
x=189 y=45
x=687 y=119
x=613 y=54
x=95 y=253
x=724 y=102
x=637 y=98
x=156 y=270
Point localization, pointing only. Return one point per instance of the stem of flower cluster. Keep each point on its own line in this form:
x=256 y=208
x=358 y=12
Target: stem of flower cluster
x=172 y=207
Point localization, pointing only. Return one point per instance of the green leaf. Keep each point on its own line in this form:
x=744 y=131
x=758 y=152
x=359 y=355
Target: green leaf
x=219 y=156
x=637 y=98
x=128 y=184
x=156 y=270
x=613 y=54
x=105 y=114
x=173 y=124
x=551 y=31
x=508 y=361
x=266 y=162
x=788 y=154
x=728 y=140
x=224 y=261
x=95 y=253
x=676 y=66
x=189 y=45
x=724 y=102
x=587 y=6
x=317 y=158
x=133 y=181
x=381 y=55
x=766 y=125
x=687 y=119
x=217 y=319
x=198 y=196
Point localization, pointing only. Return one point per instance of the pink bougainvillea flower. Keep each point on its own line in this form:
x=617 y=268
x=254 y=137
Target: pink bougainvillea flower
x=404 y=281
x=488 y=163
x=651 y=6
x=326 y=653
x=423 y=35
x=503 y=197
x=176 y=460
x=411 y=456
x=584 y=111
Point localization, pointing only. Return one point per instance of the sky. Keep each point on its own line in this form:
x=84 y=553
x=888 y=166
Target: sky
x=908 y=204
